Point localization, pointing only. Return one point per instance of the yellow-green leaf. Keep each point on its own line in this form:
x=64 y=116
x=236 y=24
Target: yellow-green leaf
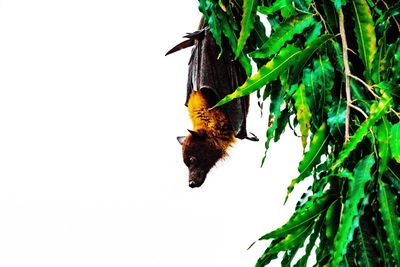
x=365 y=35
x=303 y=112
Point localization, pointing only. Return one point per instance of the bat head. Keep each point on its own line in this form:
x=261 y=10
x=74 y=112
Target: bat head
x=199 y=154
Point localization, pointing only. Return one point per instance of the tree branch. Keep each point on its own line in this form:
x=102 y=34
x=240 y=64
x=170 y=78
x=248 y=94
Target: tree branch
x=347 y=74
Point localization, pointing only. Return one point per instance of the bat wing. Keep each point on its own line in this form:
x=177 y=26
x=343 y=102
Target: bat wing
x=217 y=77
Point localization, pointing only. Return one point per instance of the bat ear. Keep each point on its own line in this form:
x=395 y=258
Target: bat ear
x=180 y=139
x=199 y=135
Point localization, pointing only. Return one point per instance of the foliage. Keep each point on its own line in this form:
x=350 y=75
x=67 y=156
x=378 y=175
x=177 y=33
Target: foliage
x=331 y=69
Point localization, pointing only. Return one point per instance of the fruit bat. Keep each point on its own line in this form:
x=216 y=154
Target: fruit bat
x=211 y=77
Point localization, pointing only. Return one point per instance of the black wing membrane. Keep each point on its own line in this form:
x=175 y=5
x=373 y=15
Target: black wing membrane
x=216 y=76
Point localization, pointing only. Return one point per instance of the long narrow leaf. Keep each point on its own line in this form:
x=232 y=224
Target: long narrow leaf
x=247 y=23
x=277 y=5
x=364 y=244
x=365 y=35
x=351 y=213
x=313 y=238
x=395 y=141
x=287 y=30
x=277 y=99
x=305 y=56
x=383 y=145
x=293 y=239
x=308 y=212
x=377 y=111
x=267 y=257
x=303 y=112
x=270 y=72
x=318 y=146
x=390 y=218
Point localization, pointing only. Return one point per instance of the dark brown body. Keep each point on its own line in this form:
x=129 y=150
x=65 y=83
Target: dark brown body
x=211 y=77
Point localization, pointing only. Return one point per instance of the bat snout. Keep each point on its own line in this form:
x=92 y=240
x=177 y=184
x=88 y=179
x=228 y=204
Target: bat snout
x=192 y=184
x=196 y=178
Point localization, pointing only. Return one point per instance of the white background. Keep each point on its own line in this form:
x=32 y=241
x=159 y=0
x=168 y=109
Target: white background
x=91 y=173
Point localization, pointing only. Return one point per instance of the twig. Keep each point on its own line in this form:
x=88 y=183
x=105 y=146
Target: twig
x=319 y=14
x=395 y=113
x=360 y=110
x=369 y=87
x=347 y=74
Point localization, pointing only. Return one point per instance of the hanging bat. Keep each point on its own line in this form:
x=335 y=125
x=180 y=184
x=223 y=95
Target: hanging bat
x=210 y=79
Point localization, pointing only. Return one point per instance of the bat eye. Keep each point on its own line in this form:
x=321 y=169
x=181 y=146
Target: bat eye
x=192 y=160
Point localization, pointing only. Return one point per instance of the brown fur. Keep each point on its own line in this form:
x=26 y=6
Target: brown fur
x=208 y=141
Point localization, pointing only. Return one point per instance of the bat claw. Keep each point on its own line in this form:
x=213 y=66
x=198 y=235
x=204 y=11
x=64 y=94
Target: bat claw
x=252 y=138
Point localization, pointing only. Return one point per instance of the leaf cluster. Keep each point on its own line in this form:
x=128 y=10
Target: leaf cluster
x=331 y=70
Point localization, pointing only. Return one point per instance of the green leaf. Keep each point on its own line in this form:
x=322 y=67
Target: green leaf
x=287 y=30
x=314 y=206
x=383 y=132
x=319 y=81
x=394 y=178
x=332 y=221
x=259 y=32
x=336 y=118
x=247 y=23
x=376 y=112
x=395 y=141
x=365 y=35
x=377 y=64
x=267 y=257
x=396 y=65
x=269 y=72
x=303 y=112
x=210 y=16
x=390 y=218
x=364 y=244
x=381 y=241
x=230 y=34
x=312 y=157
x=277 y=5
x=290 y=254
x=387 y=63
x=331 y=16
x=292 y=239
x=277 y=99
x=314 y=34
x=306 y=54
x=337 y=55
x=313 y=238
x=351 y=213
x=288 y=11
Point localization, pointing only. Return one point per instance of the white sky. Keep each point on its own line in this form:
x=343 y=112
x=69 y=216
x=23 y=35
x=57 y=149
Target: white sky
x=91 y=173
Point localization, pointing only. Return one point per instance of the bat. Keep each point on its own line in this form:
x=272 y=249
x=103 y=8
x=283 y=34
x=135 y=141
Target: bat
x=211 y=77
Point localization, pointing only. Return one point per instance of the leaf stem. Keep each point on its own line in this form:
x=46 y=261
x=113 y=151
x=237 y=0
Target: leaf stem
x=360 y=110
x=319 y=14
x=347 y=74
x=369 y=87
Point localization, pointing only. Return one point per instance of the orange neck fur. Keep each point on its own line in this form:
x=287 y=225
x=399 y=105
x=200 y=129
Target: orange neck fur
x=212 y=121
